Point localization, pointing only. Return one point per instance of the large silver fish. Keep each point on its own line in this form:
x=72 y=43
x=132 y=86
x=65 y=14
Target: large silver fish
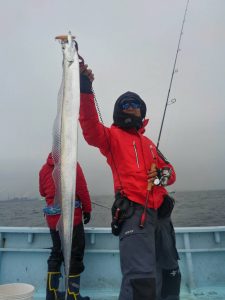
x=64 y=148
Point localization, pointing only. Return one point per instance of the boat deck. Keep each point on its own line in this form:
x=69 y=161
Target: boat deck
x=24 y=252
x=210 y=293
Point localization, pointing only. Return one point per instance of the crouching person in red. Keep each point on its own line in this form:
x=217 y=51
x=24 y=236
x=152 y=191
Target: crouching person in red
x=52 y=213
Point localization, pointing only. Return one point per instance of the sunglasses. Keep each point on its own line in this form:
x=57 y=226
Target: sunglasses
x=132 y=104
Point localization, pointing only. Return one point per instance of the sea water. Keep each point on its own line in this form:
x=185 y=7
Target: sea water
x=193 y=208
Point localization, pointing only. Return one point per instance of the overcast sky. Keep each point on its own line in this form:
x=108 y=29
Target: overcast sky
x=130 y=45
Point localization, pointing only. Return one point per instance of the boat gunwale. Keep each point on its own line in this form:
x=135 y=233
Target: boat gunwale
x=5 y=229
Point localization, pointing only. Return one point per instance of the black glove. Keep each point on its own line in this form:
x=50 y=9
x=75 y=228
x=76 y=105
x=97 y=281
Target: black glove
x=165 y=210
x=85 y=84
x=86 y=217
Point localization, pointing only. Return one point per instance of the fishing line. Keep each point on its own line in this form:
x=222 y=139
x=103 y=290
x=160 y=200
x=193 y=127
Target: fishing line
x=100 y=205
x=100 y=118
x=172 y=101
x=107 y=137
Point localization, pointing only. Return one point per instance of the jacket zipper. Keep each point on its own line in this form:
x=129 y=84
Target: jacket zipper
x=153 y=155
x=136 y=154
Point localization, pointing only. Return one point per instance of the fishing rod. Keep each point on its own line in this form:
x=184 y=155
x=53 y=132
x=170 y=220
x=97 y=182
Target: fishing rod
x=150 y=185
x=100 y=205
x=160 y=132
x=171 y=80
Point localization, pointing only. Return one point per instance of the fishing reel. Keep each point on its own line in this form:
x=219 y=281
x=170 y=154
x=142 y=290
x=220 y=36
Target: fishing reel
x=163 y=176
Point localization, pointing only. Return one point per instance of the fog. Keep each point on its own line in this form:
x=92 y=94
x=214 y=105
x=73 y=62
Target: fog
x=130 y=45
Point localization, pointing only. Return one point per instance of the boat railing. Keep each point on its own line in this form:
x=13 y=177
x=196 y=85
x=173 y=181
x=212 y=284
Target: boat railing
x=201 y=251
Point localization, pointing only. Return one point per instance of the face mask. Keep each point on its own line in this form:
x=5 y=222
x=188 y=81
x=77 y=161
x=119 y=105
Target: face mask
x=127 y=121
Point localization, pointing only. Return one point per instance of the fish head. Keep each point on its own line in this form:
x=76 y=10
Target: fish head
x=69 y=48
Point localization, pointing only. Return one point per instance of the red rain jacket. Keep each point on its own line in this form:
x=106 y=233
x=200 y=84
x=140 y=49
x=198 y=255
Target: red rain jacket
x=128 y=152
x=47 y=190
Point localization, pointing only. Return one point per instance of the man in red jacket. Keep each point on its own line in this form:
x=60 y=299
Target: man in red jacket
x=52 y=214
x=142 y=209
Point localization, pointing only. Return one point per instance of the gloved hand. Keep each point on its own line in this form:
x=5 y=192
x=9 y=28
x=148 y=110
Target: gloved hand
x=166 y=208
x=86 y=217
x=152 y=174
x=86 y=79
x=86 y=72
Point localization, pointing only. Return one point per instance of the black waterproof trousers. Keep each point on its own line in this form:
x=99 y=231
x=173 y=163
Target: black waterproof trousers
x=149 y=259
x=78 y=245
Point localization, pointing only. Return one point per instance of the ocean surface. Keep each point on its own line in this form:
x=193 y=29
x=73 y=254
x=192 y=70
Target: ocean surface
x=201 y=208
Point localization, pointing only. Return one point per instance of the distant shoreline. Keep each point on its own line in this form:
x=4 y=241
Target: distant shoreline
x=95 y=196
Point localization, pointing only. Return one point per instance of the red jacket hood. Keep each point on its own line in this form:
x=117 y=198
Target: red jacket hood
x=142 y=129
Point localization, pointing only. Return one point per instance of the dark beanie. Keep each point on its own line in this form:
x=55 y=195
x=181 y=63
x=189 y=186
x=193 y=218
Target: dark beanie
x=128 y=96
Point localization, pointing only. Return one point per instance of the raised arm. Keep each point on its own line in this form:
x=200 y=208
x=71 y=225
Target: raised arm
x=95 y=133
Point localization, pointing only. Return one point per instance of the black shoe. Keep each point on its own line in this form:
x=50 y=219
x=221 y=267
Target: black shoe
x=52 y=285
